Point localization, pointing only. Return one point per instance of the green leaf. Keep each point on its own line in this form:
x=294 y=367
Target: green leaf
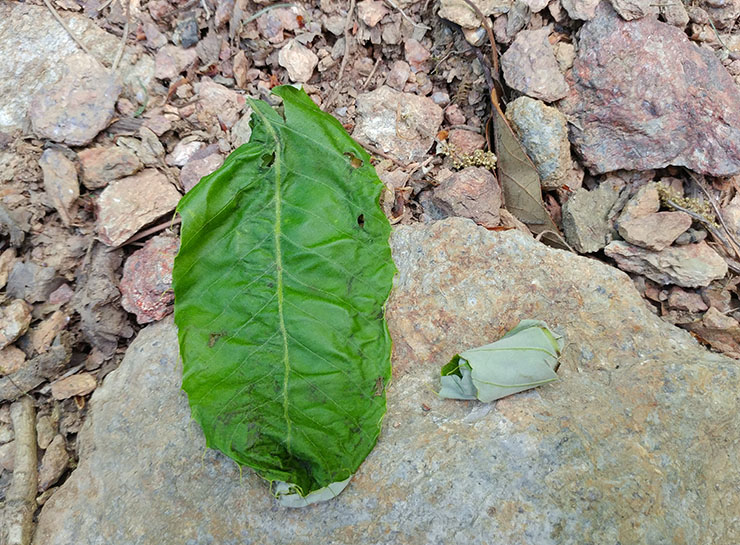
x=280 y=282
x=527 y=356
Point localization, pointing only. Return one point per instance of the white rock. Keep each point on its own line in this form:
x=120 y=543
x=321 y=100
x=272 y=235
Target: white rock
x=298 y=60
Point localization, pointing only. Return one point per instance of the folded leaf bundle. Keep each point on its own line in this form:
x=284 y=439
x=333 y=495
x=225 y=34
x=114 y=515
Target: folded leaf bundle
x=527 y=356
x=283 y=271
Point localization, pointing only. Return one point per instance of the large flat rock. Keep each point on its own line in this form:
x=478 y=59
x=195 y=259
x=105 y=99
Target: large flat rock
x=636 y=444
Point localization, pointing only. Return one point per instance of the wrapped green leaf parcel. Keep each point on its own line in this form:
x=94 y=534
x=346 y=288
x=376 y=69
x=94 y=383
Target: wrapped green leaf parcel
x=527 y=356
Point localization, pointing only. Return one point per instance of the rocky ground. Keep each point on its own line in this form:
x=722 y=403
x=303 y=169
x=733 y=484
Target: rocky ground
x=110 y=111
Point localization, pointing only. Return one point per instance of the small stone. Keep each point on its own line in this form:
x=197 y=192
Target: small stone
x=691 y=236
x=7 y=456
x=76 y=385
x=654 y=231
x=400 y=124
x=475 y=36
x=158 y=124
x=79 y=106
x=454 y=115
x=536 y=5
x=147 y=147
x=127 y=205
x=146 y=286
x=688 y=266
x=31 y=282
x=241 y=69
x=416 y=54
x=634 y=9
x=187 y=31
x=171 y=61
x=101 y=165
x=335 y=24
x=398 y=75
x=11 y=360
x=60 y=183
x=690 y=301
x=182 y=152
x=63 y=294
x=201 y=164
x=661 y=118
x=298 y=60
x=529 y=66
x=722 y=332
x=565 y=54
x=543 y=132
x=583 y=10
x=46 y=429
x=218 y=103
x=7 y=259
x=42 y=335
x=645 y=201
x=6 y=433
x=466 y=142
x=470 y=193
x=155 y=39
x=15 y=318
x=675 y=14
x=54 y=463
x=371 y=12
x=460 y=13
x=241 y=132
x=586 y=217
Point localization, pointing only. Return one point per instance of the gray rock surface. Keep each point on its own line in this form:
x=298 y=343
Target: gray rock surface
x=586 y=222
x=31 y=47
x=401 y=124
x=683 y=109
x=460 y=13
x=636 y=444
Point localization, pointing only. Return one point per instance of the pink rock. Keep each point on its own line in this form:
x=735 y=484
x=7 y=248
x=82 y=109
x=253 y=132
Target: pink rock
x=688 y=266
x=172 y=60
x=371 y=12
x=11 y=359
x=529 y=66
x=689 y=301
x=101 y=165
x=147 y=279
x=398 y=75
x=454 y=115
x=63 y=294
x=129 y=204
x=466 y=141
x=683 y=109
x=655 y=231
x=202 y=163
x=416 y=54
x=79 y=106
x=471 y=193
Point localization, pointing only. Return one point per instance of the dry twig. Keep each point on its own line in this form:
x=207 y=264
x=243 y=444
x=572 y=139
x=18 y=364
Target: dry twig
x=347 y=26
x=417 y=25
x=122 y=45
x=65 y=27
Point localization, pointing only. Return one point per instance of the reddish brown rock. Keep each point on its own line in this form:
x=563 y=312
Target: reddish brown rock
x=371 y=12
x=416 y=54
x=719 y=330
x=79 y=106
x=146 y=285
x=76 y=385
x=655 y=231
x=471 y=193
x=688 y=266
x=202 y=163
x=172 y=60
x=11 y=359
x=690 y=301
x=218 y=103
x=101 y=165
x=129 y=204
x=398 y=75
x=642 y=96
x=581 y=9
x=466 y=141
x=529 y=66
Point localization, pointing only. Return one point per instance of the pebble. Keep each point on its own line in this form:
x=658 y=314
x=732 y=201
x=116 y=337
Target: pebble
x=690 y=301
x=63 y=294
x=529 y=66
x=54 y=463
x=583 y=10
x=101 y=165
x=398 y=75
x=543 y=133
x=172 y=60
x=155 y=39
x=298 y=60
x=201 y=164
x=15 y=318
x=401 y=124
x=187 y=32
x=688 y=266
x=79 y=106
x=31 y=282
x=43 y=334
x=675 y=14
x=371 y=12
x=416 y=54
x=146 y=286
x=661 y=119
x=46 y=430
x=217 y=103
x=634 y=9
x=470 y=193
x=7 y=456
x=454 y=115
x=182 y=152
x=654 y=231
x=60 y=183
x=466 y=142
x=460 y=13
x=7 y=259
x=11 y=359
x=76 y=385
x=586 y=221
x=127 y=205
x=241 y=132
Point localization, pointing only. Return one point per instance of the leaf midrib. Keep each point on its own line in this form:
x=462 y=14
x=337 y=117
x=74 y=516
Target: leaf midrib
x=277 y=161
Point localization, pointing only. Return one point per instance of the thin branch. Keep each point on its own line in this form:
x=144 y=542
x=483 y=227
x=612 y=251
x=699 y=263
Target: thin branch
x=265 y=10
x=372 y=73
x=124 y=37
x=65 y=27
x=417 y=25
